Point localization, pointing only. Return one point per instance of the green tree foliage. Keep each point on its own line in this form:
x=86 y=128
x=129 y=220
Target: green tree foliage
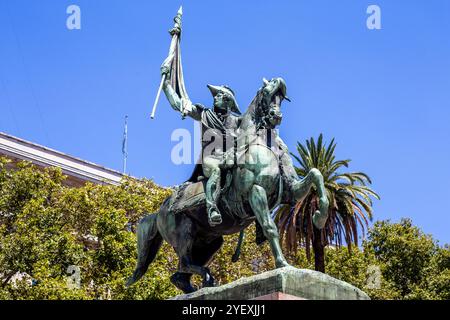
x=411 y=261
x=359 y=267
x=411 y=264
x=46 y=227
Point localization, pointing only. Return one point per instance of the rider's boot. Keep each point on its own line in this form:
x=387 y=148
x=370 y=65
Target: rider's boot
x=212 y=196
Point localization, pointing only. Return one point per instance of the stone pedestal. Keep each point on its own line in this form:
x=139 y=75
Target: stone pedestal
x=287 y=283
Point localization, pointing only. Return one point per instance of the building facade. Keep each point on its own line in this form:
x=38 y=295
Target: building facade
x=78 y=171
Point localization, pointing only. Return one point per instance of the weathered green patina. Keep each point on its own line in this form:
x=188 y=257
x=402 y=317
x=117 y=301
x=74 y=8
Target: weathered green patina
x=236 y=183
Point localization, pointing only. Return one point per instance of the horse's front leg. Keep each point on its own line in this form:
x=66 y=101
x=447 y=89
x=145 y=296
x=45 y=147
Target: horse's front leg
x=258 y=202
x=300 y=189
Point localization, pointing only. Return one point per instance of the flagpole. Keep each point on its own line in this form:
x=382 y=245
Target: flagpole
x=170 y=57
x=125 y=145
x=152 y=116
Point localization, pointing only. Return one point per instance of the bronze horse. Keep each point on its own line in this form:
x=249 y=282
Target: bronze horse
x=261 y=178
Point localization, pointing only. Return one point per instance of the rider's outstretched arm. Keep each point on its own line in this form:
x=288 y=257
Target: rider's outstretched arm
x=185 y=107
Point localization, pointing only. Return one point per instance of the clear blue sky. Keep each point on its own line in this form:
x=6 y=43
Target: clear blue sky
x=383 y=94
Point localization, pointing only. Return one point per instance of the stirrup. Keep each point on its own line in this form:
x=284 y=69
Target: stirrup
x=217 y=216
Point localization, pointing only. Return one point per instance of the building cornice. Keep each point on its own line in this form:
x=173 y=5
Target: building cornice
x=20 y=149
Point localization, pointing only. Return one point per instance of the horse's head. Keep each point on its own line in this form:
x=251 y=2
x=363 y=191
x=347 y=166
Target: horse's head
x=268 y=108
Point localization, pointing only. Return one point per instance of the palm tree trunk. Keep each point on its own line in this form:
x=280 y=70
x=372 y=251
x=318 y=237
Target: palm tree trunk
x=319 y=251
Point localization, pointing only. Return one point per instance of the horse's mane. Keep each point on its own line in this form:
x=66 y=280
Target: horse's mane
x=253 y=114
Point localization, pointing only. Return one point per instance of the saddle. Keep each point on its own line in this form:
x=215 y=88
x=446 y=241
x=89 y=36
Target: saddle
x=192 y=194
x=188 y=195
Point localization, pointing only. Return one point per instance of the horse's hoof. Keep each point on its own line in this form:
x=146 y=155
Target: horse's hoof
x=182 y=282
x=187 y=290
x=208 y=279
x=319 y=219
x=209 y=283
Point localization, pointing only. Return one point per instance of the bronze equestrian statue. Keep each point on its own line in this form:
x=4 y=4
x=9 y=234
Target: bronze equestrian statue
x=250 y=178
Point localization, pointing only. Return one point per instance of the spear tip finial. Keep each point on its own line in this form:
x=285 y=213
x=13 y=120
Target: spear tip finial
x=180 y=11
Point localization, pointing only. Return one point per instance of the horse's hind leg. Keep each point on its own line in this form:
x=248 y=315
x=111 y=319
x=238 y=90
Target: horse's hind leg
x=184 y=249
x=202 y=254
x=300 y=188
x=182 y=281
x=188 y=265
x=258 y=202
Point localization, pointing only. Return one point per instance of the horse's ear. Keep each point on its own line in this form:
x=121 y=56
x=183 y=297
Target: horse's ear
x=265 y=81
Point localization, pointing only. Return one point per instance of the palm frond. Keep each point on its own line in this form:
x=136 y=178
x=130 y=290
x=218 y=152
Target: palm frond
x=349 y=195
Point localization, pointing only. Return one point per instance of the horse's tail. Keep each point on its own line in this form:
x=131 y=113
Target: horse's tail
x=237 y=251
x=149 y=241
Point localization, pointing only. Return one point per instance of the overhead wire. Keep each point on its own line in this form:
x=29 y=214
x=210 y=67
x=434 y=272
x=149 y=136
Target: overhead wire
x=27 y=77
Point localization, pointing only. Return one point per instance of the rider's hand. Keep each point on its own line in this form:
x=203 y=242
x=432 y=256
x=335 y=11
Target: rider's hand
x=175 y=30
x=165 y=70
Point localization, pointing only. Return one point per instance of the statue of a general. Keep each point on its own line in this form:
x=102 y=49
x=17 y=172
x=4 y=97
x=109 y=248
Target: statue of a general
x=218 y=123
x=245 y=173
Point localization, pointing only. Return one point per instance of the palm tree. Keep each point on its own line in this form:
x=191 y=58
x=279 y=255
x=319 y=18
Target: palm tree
x=349 y=197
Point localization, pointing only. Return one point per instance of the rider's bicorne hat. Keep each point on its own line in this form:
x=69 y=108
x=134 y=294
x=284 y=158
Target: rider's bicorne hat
x=230 y=94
